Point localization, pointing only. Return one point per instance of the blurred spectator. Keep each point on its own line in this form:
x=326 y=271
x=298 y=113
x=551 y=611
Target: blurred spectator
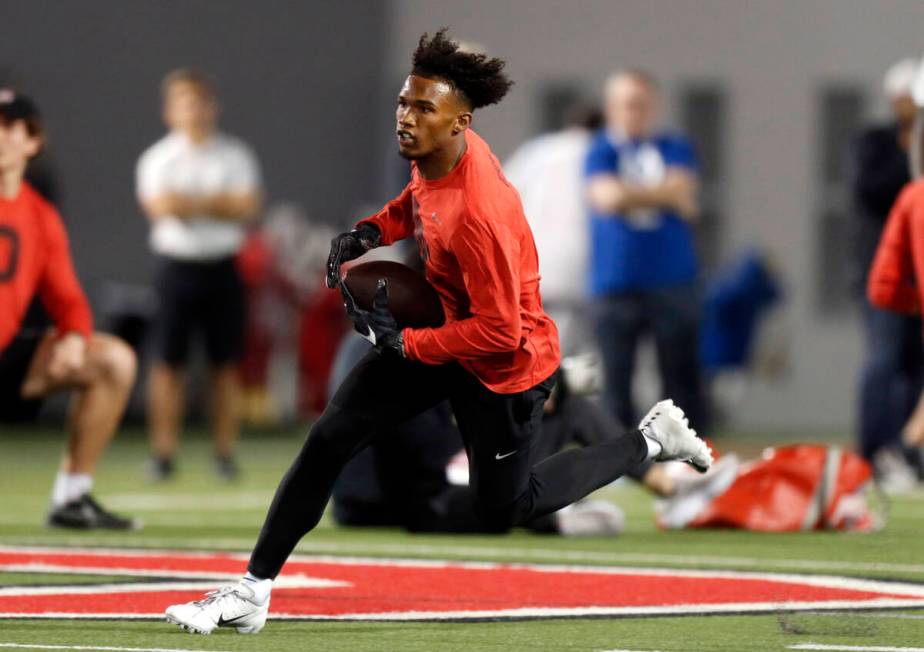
x=547 y=172
x=198 y=188
x=35 y=362
x=642 y=188
x=893 y=358
x=288 y=308
x=895 y=284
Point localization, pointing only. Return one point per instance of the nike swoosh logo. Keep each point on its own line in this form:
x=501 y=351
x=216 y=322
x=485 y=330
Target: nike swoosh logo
x=222 y=622
x=498 y=456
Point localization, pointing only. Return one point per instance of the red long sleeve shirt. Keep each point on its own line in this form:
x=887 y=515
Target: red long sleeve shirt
x=896 y=279
x=35 y=257
x=479 y=254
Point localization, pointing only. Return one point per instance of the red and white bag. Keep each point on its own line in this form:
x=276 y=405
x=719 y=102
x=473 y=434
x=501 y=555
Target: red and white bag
x=794 y=488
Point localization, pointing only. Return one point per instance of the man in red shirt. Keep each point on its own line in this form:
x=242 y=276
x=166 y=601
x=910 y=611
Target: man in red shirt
x=494 y=358
x=99 y=369
x=896 y=278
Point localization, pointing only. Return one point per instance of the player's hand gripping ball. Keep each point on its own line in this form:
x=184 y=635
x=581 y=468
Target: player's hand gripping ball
x=377 y=325
x=349 y=246
x=411 y=299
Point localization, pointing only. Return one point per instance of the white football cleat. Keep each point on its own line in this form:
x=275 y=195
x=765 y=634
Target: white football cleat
x=590 y=518
x=233 y=606
x=666 y=424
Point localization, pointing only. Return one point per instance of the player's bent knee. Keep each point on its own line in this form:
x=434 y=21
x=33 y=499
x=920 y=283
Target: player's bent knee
x=115 y=360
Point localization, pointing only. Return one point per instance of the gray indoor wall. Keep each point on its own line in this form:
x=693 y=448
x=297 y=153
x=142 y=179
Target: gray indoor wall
x=311 y=86
x=772 y=55
x=296 y=80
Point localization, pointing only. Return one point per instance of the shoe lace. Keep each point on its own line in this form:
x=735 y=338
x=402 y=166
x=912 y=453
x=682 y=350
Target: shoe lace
x=216 y=595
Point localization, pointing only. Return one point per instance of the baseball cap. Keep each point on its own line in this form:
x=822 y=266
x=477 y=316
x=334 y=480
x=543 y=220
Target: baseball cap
x=14 y=106
x=917 y=86
x=899 y=78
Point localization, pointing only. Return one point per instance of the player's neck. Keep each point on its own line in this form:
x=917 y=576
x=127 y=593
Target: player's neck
x=197 y=136
x=441 y=163
x=10 y=181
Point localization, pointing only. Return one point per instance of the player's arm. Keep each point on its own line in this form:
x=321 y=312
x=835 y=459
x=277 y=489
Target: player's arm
x=677 y=192
x=607 y=192
x=489 y=258
x=65 y=301
x=230 y=206
x=891 y=284
x=394 y=222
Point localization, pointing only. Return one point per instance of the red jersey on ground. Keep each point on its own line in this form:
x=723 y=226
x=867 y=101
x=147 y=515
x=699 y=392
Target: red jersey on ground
x=35 y=257
x=896 y=279
x=479 y=254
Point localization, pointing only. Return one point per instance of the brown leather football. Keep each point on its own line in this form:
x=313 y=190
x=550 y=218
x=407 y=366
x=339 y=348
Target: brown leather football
x=411 y=299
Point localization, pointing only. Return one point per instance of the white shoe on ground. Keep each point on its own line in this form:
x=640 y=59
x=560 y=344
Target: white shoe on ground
x=589 y=518
x=666 y=424
x=233 y=606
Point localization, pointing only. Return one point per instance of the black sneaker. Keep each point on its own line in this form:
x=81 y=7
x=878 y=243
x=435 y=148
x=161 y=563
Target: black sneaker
x=226 y=468
x=159 y=469
x=87 y=514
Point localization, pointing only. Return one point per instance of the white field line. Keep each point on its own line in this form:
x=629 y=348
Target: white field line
x=529 y=613
x=674 y=610
x=35 y=646
x=236 y=501
x=853 y=648
x=825 y=581
x=484 y=552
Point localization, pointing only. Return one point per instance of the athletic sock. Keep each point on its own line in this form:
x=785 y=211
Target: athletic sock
x=68 y=487
x=261 y=588
x=654 y=447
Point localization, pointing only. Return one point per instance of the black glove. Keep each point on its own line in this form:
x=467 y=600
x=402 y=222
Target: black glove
x=348 y=246
x=377 y=325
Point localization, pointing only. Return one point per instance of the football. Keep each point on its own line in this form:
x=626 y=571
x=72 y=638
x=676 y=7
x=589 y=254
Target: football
x=412 y=300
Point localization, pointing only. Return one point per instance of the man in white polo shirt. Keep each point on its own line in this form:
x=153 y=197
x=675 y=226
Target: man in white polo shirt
x=198 y=188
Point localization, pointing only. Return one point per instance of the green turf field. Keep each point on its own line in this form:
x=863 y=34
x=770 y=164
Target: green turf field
x=197 y=512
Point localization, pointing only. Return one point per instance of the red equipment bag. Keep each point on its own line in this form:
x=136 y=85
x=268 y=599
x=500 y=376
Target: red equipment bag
x=795 y=488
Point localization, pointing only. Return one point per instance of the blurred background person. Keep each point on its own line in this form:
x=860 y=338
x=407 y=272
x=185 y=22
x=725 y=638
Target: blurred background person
x=290 y=316
x=547 y=171
x=199 y=188
x=641 y=184
x=891 y=372
x=99 y=369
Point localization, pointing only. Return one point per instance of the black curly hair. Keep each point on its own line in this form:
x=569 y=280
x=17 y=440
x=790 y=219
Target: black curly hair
x=480 y=80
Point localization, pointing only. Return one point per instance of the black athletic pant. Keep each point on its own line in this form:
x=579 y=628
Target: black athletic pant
x=499 y=432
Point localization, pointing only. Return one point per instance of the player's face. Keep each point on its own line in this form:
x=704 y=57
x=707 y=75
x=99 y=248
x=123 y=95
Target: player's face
x=429 y=115
x=16 y=145
x=904 y=109
x=631 y=106
x=188 y=108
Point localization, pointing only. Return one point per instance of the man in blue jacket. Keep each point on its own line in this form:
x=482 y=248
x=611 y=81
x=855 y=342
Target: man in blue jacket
x=642 y=189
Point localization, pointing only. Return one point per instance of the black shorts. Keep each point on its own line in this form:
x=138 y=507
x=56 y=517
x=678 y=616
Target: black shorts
x=14 y=365
x=199 y=298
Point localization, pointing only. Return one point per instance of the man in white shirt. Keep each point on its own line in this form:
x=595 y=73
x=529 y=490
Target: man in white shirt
x=198 y=188
x=548 y=172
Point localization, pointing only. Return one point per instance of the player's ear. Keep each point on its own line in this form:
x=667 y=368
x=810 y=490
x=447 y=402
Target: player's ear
x=462 y=122
x=34 y=146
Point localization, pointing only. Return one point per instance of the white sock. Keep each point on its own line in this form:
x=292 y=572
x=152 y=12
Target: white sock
x=261 y=588
x=69 y=487
x=654 y=447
